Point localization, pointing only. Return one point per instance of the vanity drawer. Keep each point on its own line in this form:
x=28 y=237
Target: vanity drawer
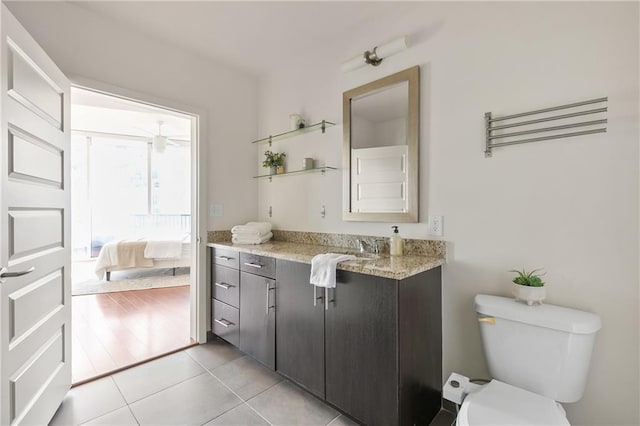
x=225 y=322
x=259 y=265
x=225 y=257
x=226 y=285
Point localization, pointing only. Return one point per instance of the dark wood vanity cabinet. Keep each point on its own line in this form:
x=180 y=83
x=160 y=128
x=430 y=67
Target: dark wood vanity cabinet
x=372 y=346
x=300 y=322
x=378 y=342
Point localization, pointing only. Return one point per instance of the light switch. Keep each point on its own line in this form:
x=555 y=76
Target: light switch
x=215 y=210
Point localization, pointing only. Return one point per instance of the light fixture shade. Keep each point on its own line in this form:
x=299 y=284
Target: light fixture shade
x=353 y=64
x=159 y=143
x=392 y=48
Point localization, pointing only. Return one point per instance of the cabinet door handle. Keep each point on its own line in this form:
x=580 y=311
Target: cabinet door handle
x=315 y=295
x=224 y=285
x=223 y=322
x=224 y=257
x=253 y=265
x=268 y=290
x=326 y=298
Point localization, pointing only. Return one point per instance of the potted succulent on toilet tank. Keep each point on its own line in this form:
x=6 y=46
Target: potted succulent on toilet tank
x=528 y=287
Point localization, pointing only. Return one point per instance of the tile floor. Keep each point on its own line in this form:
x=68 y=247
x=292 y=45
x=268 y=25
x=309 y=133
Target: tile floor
x=212 y=384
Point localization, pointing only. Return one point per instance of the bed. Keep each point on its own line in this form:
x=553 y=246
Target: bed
x=124 y=255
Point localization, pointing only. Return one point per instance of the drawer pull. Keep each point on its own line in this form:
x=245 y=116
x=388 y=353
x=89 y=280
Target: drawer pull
x=253 y=265
x=223 y=322
x=224 y=285
x=224 y=257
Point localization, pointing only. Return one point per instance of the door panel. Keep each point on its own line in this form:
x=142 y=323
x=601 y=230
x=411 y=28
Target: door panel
x=33 y=159
x=257 y=318
x=34 y=302
x=361 y=348
x=35 y=310
x=28 y=84
x=34 y=230
x=300 y=320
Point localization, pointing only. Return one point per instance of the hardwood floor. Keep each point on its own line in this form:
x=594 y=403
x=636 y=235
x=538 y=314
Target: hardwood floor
x=115 y=330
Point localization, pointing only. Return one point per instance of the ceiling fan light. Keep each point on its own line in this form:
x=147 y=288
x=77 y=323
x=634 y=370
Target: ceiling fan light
x=159 y=143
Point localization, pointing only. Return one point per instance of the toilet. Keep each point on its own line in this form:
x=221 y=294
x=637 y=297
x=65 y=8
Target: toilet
x=537 y=356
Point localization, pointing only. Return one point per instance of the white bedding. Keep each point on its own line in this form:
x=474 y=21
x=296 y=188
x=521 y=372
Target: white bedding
x=108 y=258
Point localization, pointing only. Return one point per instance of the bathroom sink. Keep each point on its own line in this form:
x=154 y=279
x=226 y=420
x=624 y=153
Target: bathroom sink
x=367 y=256
x=361 y=256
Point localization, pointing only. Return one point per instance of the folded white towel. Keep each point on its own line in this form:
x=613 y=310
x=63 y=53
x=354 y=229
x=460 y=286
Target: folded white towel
x=323 y=268
x=237 y=239
x=250 y=234
x=261 y=228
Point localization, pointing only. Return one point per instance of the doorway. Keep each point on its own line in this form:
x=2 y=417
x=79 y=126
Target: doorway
x=131 y=226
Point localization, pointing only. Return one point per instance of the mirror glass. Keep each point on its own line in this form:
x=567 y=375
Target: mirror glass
x=380 y=151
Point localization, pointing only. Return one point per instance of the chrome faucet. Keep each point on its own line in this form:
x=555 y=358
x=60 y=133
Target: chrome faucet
x=376 y=247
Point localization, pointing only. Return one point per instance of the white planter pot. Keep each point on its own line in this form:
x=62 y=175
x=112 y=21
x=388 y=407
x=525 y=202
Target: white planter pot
x=528 y=295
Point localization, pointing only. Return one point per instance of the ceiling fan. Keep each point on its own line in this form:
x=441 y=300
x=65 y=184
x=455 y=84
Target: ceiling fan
x=159 y=141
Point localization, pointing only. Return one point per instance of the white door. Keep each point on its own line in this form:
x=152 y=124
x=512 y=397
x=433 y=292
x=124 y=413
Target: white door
x=35 y=308
x=379 y=179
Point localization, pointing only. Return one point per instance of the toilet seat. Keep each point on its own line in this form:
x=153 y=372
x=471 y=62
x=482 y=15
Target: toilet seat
x=498 y=403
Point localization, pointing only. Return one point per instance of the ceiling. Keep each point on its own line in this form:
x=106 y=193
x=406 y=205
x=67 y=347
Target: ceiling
x=97 y=112
x=253 y=36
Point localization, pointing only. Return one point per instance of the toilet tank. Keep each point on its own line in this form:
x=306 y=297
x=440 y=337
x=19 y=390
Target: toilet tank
x=545 y=349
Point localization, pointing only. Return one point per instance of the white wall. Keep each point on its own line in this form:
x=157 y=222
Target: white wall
x=86 y=45
x=568 y=205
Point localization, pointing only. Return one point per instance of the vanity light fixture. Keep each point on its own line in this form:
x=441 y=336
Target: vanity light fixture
x=375 y=55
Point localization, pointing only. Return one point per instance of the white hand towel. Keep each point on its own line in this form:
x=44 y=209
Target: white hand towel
x=239 y=239
x=323 y=268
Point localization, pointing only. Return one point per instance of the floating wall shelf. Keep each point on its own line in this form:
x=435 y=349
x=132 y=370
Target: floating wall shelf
x=312 y=128
x=294 y=172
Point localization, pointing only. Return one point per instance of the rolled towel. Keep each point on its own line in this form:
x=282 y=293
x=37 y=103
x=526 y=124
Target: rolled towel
x=237 y=239
x=262 y=228
x=323 y=268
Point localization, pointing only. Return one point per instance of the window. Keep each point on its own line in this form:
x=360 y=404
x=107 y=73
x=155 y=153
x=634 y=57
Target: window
x=123 y=189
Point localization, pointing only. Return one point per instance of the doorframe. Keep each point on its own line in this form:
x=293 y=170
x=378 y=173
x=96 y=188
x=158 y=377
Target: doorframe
x=199 y=191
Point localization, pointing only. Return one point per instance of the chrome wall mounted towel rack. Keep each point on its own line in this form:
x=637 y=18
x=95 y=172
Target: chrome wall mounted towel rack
x=528 y=126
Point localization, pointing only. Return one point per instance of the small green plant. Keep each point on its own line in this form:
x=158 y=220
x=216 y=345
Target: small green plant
x=530 y=279
x=273 y=159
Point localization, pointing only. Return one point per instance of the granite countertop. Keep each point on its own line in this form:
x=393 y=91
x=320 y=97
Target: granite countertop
x=394 y=267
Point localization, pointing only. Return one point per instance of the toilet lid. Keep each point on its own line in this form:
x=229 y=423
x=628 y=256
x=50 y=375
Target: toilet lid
x=498 y=403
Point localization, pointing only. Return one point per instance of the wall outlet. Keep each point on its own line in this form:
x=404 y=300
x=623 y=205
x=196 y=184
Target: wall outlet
x=436 y=226
x=215 y=210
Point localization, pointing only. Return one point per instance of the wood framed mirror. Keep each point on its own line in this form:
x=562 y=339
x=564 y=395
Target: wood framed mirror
x=381 y=126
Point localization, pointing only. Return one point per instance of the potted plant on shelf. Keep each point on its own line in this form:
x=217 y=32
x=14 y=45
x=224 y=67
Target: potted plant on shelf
x=275 y=161
x=529 y=287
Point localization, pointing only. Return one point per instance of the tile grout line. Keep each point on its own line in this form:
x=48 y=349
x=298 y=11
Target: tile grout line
x=336 y=418
x=163 y=389
x=110 y=411
x=233 y=392
x=125 y=400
